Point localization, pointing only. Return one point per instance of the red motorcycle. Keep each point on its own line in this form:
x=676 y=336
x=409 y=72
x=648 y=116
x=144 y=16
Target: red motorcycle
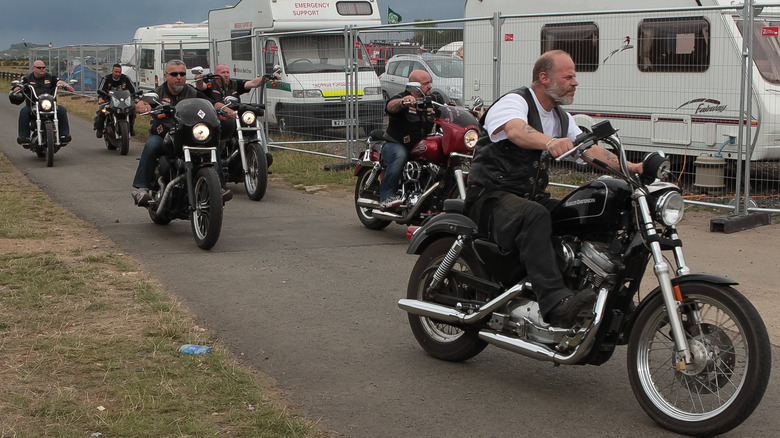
x=436 y=170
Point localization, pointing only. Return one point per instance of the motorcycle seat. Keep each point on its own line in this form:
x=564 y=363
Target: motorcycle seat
x=377 y=134
x=454 y=206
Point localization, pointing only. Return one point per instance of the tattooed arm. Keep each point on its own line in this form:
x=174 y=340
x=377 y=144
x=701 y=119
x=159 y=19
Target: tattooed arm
x=523 y=135
x=611 y=160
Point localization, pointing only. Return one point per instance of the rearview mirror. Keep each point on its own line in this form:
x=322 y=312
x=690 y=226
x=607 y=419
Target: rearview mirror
x=150 y=97
x=413 y=87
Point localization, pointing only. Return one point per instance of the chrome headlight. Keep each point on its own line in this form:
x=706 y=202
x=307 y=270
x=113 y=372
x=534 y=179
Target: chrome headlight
x=248 y=117
x=201 y=132
x=46 y=104
x=669 y=208
x=470 y=139
x=121 y=103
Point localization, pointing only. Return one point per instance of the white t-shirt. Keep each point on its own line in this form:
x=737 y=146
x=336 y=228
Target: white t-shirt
x=514 y=106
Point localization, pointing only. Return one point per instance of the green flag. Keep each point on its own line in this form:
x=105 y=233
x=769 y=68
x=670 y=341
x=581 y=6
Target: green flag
x=393 y=17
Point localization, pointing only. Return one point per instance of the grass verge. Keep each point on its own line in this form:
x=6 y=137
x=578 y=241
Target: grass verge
x=88 y=341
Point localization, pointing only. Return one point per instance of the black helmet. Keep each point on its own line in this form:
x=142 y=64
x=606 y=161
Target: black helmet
x=16 y=98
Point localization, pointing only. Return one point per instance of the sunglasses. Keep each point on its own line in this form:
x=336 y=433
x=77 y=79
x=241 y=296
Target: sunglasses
x=39 y=67
x=178 y=73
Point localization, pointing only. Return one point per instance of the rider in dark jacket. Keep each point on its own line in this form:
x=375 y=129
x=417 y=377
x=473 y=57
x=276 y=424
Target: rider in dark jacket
x=223 y=86
x=115 y=81
x=508 y=178
x=44 y=83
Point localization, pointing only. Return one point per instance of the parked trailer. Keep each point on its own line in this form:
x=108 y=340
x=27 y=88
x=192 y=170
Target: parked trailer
x=153 y=46
x=668 y=80
x=292 y=34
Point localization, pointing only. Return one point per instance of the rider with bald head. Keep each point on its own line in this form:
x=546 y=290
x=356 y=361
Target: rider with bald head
x=404 y=130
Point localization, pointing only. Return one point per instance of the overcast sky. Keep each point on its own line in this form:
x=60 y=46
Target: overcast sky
x=111 y=22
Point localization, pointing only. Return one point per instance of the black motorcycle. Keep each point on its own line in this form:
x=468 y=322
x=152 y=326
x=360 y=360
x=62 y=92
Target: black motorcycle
x=699 y=355
x=117 y=109
x=188 y=184
x=45 y=138
x=245 y=156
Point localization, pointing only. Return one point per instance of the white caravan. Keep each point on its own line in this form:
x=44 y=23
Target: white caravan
x=667 y=80
x=153 y=46
x=312 y=92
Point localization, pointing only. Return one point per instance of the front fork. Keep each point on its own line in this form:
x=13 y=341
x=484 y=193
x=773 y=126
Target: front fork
x=672 y=300
x=242 y=144
x=460 y=175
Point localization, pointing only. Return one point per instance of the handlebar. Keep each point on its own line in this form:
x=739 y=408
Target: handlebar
x=586 y=140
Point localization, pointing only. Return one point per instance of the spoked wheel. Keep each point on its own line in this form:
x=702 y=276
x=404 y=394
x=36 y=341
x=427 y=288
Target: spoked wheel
x=438 y=339
x=256 y=174
x=731 y=361
x=48 y=127
x=369 y=192
x=206 y=216
x=123 y=129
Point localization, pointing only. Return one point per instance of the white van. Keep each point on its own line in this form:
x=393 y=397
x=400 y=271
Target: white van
x=667 y=80
x=153 y=46
x=312 y=92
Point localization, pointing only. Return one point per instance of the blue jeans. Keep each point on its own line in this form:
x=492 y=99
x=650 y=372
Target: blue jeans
x=395 y=156
x=153 y=150
x=24 y=121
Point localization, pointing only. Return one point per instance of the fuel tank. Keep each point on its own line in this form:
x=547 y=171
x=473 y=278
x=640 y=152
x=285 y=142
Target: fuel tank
x=599 y=205
x=428 y=150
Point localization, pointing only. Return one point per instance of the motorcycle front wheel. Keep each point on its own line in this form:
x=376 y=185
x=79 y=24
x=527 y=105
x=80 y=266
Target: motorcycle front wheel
x=48 y=128
x=440 y=340
x=123 y=129
x=256 y=173
x=206 y=218
x=731 y=361
x=369 y=192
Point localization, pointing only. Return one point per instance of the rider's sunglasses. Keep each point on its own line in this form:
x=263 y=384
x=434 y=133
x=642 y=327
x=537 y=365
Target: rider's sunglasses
x=178 y=73
x=39 y=67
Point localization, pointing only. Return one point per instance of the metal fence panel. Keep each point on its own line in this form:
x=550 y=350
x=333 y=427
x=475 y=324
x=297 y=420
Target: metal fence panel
x=668 y=79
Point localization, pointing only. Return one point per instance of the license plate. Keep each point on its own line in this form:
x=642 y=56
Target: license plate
x=342 y=122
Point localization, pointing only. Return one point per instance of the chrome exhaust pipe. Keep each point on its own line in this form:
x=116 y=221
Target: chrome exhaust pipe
x=544 y=353
x=166 y=192
x=367 y=203
x=453 y=315
x=514 y=344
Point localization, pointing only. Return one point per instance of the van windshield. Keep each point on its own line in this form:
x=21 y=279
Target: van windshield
x=766 y=48
x=318 y=54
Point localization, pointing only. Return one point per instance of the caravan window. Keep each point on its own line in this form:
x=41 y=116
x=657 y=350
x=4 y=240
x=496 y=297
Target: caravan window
x=191 y=57
x=674 y=45
x=580 y=40
x=766 y=48
x=354 y=8
x=318 y=53
x=241 y=45
x=147 y=59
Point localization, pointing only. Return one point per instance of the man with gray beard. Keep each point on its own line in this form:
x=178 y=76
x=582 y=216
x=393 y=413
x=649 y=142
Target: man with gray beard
x=506 y=196
x=174 y=90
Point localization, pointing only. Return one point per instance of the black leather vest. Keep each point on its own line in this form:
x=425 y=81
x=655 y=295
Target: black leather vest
x=507 y=167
